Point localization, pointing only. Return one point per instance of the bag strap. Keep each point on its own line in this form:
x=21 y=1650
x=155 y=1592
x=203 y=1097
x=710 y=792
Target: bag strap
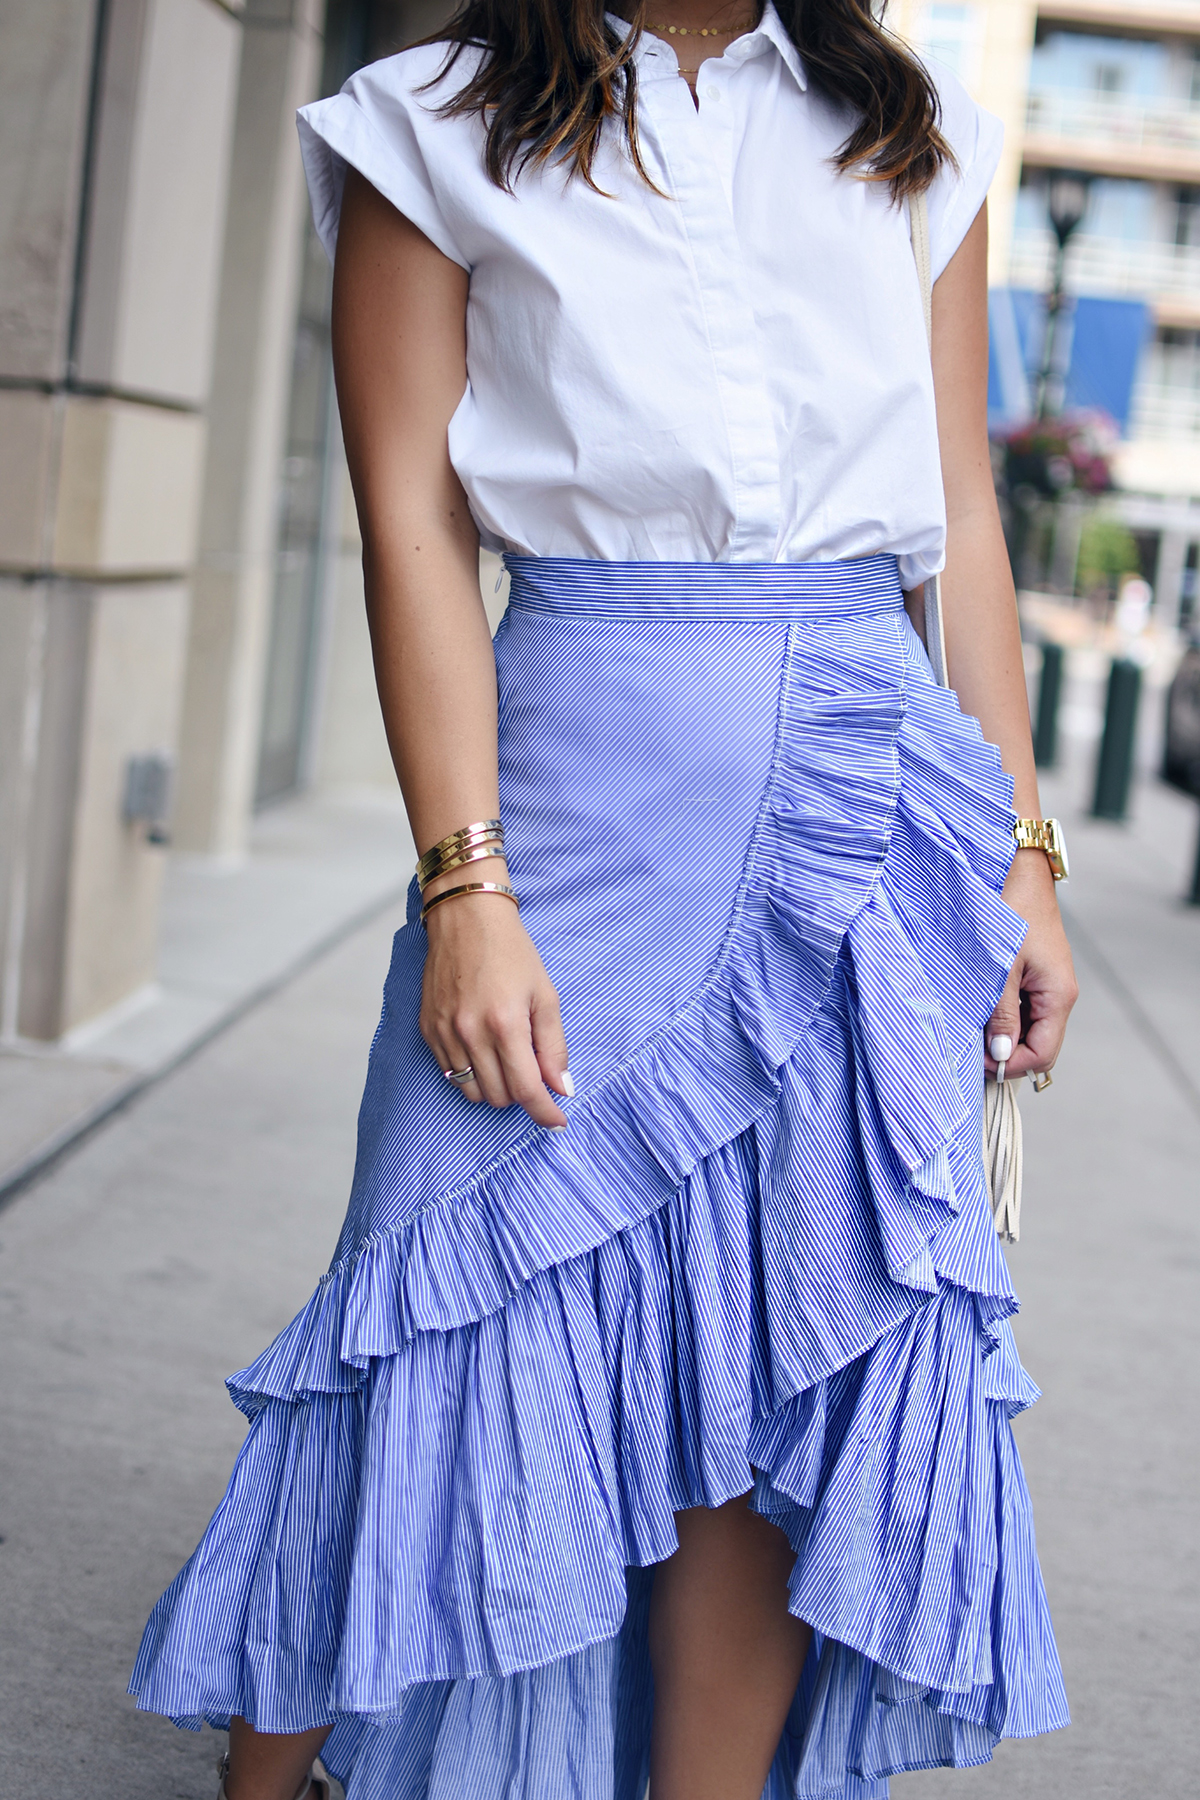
x=935 y=631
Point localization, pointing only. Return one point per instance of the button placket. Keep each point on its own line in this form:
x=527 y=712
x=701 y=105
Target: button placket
x=707 y=211
x=717 y=118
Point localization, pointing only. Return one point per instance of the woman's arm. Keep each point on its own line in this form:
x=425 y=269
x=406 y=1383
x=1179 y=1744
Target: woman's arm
x=983 y=646
x=399 y=347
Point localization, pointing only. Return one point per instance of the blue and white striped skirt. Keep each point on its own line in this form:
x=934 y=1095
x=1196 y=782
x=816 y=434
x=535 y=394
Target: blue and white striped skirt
x=760 y=853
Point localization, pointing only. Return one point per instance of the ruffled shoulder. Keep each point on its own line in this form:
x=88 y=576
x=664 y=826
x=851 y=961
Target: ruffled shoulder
x=976 y=137
x=387 y=124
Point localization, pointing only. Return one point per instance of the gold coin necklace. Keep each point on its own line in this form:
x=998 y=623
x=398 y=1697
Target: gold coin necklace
x=703 y=30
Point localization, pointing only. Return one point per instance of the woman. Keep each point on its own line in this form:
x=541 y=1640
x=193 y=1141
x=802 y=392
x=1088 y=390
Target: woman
x=653 y=1418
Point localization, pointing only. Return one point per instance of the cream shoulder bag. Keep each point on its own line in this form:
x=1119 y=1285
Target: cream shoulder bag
x=1002 y=1153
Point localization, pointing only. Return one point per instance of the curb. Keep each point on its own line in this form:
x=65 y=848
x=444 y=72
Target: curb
x=15 y=1180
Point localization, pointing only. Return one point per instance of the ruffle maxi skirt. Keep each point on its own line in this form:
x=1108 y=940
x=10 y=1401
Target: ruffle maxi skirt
x=760 y=852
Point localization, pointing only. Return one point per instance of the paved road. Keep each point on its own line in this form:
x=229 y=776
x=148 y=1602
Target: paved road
x=172 y=1246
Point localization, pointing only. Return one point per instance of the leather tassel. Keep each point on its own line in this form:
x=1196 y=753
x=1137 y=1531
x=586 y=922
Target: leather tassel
x=1002 y=1155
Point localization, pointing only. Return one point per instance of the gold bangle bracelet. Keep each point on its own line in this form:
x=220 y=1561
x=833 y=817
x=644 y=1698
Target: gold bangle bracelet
x=427 y=872
x=471 y=887
x=430 y=871
x=493 y=826
x=463 y=842
x=466 y=830
x=465 y=839
x=475 y=853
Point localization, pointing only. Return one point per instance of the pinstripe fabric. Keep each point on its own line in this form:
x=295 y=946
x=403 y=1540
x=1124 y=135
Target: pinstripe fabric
x=761 y=853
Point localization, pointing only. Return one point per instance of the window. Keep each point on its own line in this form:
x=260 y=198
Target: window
x=1177 y=353
x=1085 y=62
x=1187 y=217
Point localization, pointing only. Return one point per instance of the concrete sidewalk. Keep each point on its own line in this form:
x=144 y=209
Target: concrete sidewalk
x=231 y=932
x=162 y=1254
x=180 y=1236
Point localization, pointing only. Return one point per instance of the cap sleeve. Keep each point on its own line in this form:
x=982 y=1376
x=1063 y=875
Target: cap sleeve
x=956 y=195
x=377 y=125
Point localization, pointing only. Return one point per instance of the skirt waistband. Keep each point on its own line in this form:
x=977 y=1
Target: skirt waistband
x=744 y=590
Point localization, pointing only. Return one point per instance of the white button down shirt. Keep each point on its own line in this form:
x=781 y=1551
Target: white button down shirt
x=734 y=369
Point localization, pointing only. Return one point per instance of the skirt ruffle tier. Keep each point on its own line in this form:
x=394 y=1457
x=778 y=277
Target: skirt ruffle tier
x=761 y=1255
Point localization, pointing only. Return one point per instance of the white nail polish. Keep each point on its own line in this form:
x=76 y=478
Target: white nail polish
x=1000 y=1047
x=568 y=1084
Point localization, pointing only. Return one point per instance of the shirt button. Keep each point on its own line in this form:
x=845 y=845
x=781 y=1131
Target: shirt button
x=712 y=93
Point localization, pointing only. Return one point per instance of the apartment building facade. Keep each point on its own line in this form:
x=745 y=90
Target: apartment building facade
x=1109 y=89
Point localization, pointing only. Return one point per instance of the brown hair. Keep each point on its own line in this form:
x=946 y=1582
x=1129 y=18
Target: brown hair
x=554 y=70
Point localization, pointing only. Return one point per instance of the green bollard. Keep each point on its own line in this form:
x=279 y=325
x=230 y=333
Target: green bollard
x=1114 y=766
x=1045 y=731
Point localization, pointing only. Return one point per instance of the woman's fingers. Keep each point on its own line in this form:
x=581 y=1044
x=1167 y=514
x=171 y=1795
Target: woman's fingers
x=523 y=1076
x=488 y=1004
x=1005 y=1022
x=452 y=1053
x=1041 y=988
x=1042 y=1043
x=1048 y=1004
x=489 y=1072
x=550 y=1043
x=1046 y=998
x=506 y=1069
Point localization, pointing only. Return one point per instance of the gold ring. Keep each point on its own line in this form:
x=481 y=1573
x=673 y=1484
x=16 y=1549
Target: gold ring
x=1042 y=1081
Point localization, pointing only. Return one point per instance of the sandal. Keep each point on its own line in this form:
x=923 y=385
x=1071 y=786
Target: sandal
x=319 y=1785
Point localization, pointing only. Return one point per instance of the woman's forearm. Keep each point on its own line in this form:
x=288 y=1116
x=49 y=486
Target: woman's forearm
x=983 y=645
x=983 y=655
x=399 y=342
x=436 y=676
x=983 y=639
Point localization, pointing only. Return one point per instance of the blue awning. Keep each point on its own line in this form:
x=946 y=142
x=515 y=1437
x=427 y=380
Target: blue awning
x=1099 y=341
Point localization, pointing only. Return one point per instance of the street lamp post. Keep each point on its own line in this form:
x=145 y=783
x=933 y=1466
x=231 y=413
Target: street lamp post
x=1067 y=202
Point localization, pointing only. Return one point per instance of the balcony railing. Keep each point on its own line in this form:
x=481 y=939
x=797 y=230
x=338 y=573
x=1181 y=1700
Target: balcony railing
x=1117 y=120
x=1165 y=410
x=1166 y=401
x=1099 y=265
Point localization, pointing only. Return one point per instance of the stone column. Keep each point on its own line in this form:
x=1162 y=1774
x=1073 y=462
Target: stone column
x=115 y=127
x=231 y=607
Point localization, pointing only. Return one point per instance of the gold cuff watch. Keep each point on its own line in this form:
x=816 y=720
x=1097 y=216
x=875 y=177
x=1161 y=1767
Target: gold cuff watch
x=1047 y=835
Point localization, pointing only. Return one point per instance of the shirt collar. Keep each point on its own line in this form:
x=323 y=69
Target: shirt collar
x=769 y=30
x=771 y=27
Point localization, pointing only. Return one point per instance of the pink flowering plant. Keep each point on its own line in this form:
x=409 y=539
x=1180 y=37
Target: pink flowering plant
x=1057 y=456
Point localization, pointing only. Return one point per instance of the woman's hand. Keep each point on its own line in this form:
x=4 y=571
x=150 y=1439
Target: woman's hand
x=1041 y=988
x=488 y=1004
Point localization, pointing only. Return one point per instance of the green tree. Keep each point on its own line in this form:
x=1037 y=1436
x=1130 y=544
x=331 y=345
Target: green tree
x=1107 y=551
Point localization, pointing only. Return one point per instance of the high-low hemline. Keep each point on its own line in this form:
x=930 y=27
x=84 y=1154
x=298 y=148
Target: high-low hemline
x=760 y=1259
